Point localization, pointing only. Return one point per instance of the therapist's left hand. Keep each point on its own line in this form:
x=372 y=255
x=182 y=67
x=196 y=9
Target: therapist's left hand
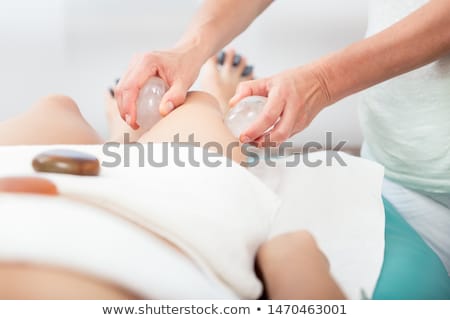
x=295 y=97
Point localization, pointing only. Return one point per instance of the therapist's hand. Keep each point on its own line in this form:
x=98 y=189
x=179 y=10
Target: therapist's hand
x=178 y=68
x=295 y=97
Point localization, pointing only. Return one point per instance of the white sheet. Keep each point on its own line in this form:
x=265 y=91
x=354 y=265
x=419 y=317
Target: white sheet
x=341 y=206
x=218 y=216
x=59 y=232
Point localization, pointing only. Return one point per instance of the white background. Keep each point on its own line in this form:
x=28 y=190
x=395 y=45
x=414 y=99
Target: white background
x=362 y=309
x=78 y=47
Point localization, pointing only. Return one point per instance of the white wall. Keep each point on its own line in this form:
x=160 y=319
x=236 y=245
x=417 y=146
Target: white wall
x=78 y=47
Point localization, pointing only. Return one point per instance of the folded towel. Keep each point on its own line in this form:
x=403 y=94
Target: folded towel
x=218 y=216
x=59 y=232
x=340 y=205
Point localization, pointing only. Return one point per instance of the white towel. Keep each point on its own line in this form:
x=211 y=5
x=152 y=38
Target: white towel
x=218 y=216
x=66 y=234
x=341 y=206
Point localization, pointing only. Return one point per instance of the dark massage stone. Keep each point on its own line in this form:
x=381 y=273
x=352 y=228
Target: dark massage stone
x=67 y=162
x=28 y=185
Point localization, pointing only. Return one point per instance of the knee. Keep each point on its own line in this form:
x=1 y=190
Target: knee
x=303 y=237
x=201 y=98
x=287 y=249
x=57 y=102
x=300 y=237
x=289 y=244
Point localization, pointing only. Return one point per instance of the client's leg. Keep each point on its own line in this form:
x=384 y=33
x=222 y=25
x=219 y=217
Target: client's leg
x=294 y=268
x=52 y=120
x=202 y=114
x=200 y=117
x=21 y=281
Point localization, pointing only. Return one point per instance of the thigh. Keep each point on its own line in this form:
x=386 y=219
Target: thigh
x=52 y=120
x=200 y=117
x=21 y=281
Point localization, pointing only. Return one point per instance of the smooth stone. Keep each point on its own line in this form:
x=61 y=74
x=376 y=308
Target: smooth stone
x=67 y=162
x=28 y=185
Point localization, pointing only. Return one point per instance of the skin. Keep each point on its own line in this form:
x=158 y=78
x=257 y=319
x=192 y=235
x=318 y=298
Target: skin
x=298 y=94
x=292 y=265
x=288 y=275
x=42 y=282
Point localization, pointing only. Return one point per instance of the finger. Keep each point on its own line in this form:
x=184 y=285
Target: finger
x=249 y=88
x=120 y=86
x=134 y=61
x=118 y=95
x=129 y=98
x=173 y=98
x=266 y=120
x=141 y=69
x=284 y=128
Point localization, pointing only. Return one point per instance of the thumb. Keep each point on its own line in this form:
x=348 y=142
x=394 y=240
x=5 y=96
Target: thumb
x=249 y=88
x=174 y=97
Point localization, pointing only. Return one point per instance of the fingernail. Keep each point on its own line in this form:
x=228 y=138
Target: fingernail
x=246 y=139
x=169 y=107
x=247 y=71
x=237 y=60
x=128 y=119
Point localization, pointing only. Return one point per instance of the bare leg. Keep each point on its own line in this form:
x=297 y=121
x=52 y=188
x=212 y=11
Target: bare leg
x=294 y=268
x=21 y=281
x=195 y=115
x=52 y=120
x=57 y=120
x=292 y=265
x=202 y=114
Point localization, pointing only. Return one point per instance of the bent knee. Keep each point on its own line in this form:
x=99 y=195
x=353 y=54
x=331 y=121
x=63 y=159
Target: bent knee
x=202 y=99
x=305 y=237
x=28 y=281
x=300 y=241
x=57 y=102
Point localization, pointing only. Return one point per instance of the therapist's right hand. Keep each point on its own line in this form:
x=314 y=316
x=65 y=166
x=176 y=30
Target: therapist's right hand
x=177 y=67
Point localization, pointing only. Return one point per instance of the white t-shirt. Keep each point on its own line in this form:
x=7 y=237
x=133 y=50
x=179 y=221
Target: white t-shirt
x=406 y=120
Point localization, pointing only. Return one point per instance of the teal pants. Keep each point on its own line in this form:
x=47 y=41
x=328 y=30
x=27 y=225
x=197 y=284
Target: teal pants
x=411 y=270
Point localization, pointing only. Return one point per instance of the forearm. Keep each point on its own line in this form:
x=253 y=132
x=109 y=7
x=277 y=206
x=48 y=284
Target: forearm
x=217 y=23
x=415 y=41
